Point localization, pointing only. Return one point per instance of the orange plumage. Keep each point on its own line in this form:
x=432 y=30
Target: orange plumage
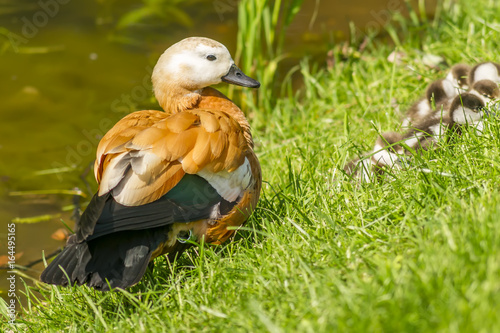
x=205 y=138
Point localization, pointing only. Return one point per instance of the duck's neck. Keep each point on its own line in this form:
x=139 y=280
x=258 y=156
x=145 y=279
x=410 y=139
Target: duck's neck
x=174 y=99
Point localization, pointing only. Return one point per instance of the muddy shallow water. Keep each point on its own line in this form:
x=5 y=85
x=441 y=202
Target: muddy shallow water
x=73 y=75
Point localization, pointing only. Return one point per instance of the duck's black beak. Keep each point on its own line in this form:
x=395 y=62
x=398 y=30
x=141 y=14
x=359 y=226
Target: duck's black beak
x=236 y=76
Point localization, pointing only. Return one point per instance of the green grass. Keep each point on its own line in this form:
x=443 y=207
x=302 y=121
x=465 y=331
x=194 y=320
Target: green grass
x=416 y=252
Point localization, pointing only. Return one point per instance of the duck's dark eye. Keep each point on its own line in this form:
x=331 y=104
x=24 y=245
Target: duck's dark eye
x=211 y=57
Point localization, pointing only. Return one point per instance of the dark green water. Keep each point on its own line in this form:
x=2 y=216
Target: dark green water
x=67 y=75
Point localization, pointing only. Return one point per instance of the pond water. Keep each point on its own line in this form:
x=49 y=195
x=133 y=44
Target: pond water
x=71 y=69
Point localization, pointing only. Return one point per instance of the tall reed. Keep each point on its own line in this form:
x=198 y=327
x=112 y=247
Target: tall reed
x=262 y=26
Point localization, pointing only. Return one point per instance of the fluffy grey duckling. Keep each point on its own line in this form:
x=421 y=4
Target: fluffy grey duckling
x=385 y=155
x=437 y=93
x=458 y=76
x=464 y=110
x=486 y=90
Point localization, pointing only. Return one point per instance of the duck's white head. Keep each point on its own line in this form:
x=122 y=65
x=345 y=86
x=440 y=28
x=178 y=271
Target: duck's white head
x=195 y=63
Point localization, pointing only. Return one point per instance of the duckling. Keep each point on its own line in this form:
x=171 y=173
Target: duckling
x=387 y=151
x=465 y=109
x=436 y=94
x=485 y=71
x=390 y=149
x=385 y=155
x=425 y=133
x=189 y=172
x=458 y=76
x=486 y=90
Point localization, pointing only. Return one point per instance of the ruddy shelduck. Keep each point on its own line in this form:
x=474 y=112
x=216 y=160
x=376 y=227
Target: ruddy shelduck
x=165 y=177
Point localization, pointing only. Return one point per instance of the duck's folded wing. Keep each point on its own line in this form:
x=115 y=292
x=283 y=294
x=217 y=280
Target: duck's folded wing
x=192 y=199
x=139 y=166
x=123 y=131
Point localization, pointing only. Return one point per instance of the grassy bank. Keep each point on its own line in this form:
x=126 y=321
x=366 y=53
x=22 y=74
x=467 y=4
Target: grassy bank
x=419 y=251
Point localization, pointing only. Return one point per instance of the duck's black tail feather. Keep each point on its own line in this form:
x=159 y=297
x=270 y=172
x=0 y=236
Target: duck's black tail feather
x=118 y=260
